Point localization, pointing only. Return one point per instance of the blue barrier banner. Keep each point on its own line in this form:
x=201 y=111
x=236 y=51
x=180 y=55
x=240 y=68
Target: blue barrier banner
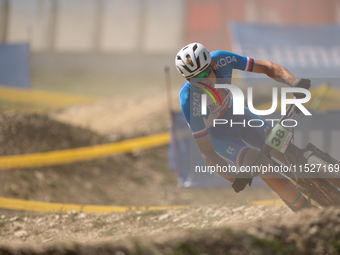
x=183 y=148
x=306 y=51
x=182 y=145
x=14 y=65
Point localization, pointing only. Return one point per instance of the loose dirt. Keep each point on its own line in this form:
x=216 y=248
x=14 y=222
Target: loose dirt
x=121 y=117
x=196 y=230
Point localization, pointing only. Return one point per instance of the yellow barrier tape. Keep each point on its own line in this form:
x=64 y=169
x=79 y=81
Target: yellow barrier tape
x=35 y=206
x=82 y=154
x=41 y=97
x=271 y=202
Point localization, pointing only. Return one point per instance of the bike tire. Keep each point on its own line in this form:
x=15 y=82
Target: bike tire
x=311 y=192
x=332 y=192
x=333 y=177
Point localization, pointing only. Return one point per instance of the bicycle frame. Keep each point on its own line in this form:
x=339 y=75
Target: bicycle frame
x=291 y=149
x=313 y=186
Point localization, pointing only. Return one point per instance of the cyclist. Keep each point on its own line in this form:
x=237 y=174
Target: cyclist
x=225 y=144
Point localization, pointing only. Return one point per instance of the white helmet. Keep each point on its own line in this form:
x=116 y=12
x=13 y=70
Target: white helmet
x=200 y=60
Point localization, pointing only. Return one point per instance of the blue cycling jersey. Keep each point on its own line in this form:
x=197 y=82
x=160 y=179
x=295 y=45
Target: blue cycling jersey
x=219 y=107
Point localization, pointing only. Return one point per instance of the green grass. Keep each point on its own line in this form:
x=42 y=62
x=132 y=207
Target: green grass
x=274 y=246
x=335 y=245
x=186 y=249
x=98 y=224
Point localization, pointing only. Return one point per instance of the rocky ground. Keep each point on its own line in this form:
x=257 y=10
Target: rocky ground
x=195 y=230
x=40 y=228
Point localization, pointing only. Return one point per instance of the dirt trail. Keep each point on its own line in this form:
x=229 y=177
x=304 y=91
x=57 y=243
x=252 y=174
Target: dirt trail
x=38 y=228
x=121 y=117
x=196 y=230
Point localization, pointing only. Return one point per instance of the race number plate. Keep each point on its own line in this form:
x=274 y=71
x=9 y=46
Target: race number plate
x=279 y=138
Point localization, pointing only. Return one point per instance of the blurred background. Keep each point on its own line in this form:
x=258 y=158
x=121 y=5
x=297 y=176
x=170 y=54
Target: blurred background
x=93 y=70
x=99 y=46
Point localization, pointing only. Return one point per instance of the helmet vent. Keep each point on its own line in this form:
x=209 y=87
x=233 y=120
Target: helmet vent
x=195 y=47
x=179 y=57
x=185 y=47
x=205 y=56
x=189 y=60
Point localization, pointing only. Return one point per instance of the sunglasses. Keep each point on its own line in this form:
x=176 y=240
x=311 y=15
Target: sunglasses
x=203 y=74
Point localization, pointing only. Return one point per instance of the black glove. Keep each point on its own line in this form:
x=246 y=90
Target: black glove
x=302 y=83
x=241 y=181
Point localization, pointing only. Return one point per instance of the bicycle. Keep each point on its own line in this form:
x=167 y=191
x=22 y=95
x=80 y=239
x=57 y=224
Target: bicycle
x=314 y=172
